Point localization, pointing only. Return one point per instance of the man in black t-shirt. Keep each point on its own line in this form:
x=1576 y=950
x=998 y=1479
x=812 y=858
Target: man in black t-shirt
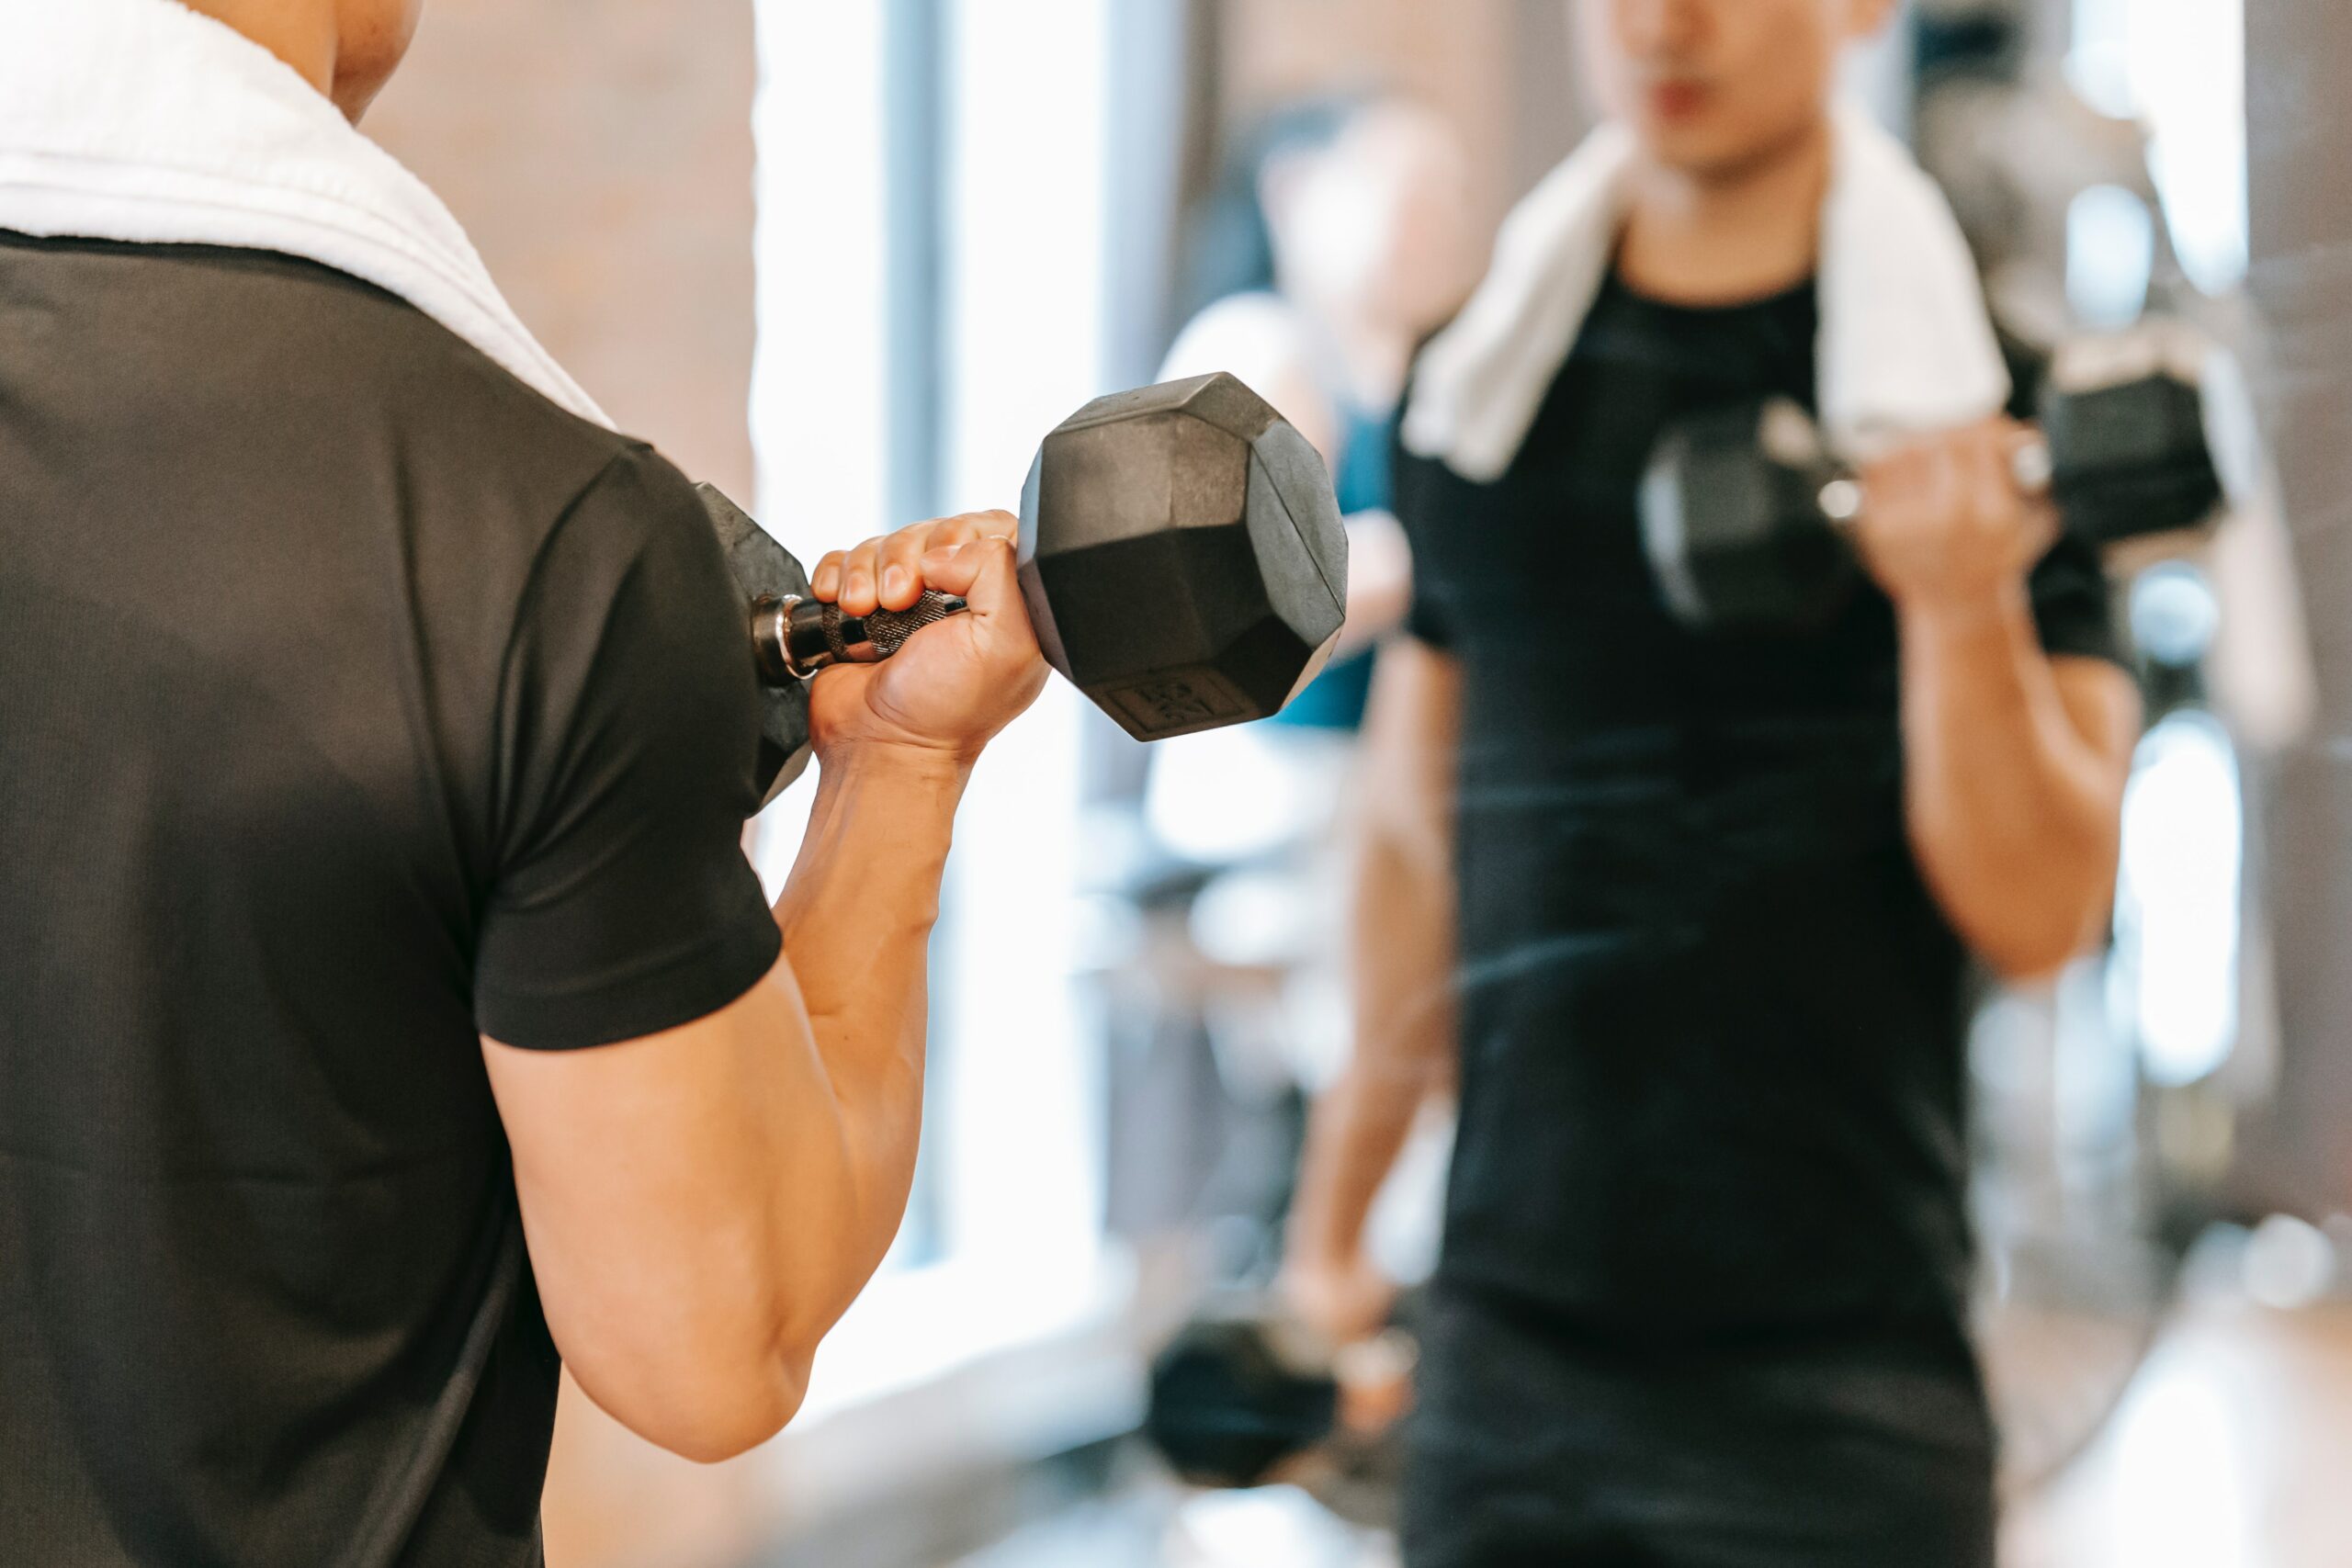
x=386 y=1004
x=1691 y=913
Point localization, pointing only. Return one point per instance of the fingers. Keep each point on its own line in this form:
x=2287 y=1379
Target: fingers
x=889 y=570
x=2036 y=510
x=1893 y=485
x=899 y=581
x=1985 y=474
x=981 y=571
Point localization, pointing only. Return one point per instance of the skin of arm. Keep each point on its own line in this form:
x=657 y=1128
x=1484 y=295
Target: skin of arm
x=1403 y=942
x=701 y=1205
x=2015 y=762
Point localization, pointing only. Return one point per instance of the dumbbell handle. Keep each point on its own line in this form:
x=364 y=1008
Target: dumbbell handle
x=1842 y=499
x=794 y=637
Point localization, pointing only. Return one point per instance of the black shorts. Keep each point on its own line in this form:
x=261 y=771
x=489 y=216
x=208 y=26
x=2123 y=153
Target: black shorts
x=1537 y=1446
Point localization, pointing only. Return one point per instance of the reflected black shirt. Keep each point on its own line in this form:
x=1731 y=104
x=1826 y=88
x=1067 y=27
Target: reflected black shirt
x=1710 y=1019
x=353 y=699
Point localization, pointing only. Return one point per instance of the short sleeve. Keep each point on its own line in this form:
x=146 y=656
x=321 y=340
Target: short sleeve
x=1414 y=477
x=2072 y=609
x=622 y=904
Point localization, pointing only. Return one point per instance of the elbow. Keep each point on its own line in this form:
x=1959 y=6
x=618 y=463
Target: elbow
x=706 y=1397
x=719 y=1410
x=2030 y=944
x=759 y=1402
x=2036 y=902
x=2025 y=959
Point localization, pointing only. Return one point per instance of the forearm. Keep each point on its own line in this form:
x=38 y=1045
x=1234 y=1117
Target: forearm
x=1402 y=943
x=2012 y=808
x=856 y=914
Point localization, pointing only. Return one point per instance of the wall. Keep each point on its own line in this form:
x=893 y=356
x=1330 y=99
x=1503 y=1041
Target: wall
x=600 y=153
x=2300 y=123
x=1501 y=69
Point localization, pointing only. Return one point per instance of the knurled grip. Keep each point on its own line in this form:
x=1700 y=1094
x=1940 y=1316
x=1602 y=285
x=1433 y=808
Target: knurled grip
x=795 y=637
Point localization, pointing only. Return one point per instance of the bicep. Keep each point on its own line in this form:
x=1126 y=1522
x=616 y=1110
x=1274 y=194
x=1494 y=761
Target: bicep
x=620 y=1148
x=1412 y=742
x=645 y=1044
x=2102 y=707
x=1402 y=918
x=644 y=1170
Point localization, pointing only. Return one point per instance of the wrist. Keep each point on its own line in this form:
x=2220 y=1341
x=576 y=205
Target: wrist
x=1322 y=1250
x=915 y=761
x=1972 y=611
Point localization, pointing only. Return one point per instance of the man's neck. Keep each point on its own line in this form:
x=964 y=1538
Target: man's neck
x=1721 y=236
x=300 y=33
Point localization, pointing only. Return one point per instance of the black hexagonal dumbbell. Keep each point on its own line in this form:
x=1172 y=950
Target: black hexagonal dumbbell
x=1181 y=558
x=1245 y=1394
x=1746 y=516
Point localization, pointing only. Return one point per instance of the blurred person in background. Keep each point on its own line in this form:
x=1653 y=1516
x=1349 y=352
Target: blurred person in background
x=1339 y=239
x=1690 y=916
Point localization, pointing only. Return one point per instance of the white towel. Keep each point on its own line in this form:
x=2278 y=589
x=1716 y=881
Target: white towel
x=1907 y=346
x=140 y=121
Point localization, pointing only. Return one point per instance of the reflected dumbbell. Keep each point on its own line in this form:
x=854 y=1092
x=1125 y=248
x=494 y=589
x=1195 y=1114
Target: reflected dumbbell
x=1180 y=555
x=1246 y=1395
x=1746 y=518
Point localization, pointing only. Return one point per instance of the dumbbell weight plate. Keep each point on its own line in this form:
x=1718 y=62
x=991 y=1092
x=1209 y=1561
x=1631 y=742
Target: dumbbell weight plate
x=765 y=569
x=2130 y=460
x=1246 y=1394
x=1199 y=490
x=1236 y=1394
x=1732 y=523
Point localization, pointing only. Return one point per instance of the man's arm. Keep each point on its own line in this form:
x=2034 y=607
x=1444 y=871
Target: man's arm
x=2014 y=763
x=702 y=1205
x=1403 y=941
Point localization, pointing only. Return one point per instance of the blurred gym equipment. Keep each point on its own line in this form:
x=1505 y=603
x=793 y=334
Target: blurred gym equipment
x=1246 y=1394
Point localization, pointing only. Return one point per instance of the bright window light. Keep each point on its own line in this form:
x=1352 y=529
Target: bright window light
x=2176 y=910
x=2110 y=255
x=2180 y=67
x=1025 y=318
x=2182 y=1498
x=1004 y=338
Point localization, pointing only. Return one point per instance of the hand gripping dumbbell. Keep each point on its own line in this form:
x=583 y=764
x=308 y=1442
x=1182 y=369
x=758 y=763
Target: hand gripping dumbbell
x=1747 y=519
x=1180 y=555
x=1245 y=1394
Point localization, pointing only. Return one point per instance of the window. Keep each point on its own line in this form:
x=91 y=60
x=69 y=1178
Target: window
x=938 y=215
x=2180 y=67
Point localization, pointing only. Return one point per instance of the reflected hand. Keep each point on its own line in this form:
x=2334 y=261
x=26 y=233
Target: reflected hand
x=1945 y=525
x=1345 y=1300
x=954 y=684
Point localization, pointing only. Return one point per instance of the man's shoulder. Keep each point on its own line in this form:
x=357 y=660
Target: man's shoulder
x=391 y=363
x=296 y=356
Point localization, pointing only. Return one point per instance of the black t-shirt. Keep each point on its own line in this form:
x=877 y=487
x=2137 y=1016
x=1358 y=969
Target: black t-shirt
x=1711 y=1019
x=353 y=699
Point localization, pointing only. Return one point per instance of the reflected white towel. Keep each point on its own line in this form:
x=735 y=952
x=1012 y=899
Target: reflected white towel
x=140 y=121
x=1905 y=344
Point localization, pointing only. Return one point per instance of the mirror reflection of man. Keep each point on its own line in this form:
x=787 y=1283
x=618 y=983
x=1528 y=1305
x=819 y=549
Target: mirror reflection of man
x=1691 y=915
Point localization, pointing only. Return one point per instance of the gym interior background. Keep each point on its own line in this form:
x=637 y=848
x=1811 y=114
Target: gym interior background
x=854 y=258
